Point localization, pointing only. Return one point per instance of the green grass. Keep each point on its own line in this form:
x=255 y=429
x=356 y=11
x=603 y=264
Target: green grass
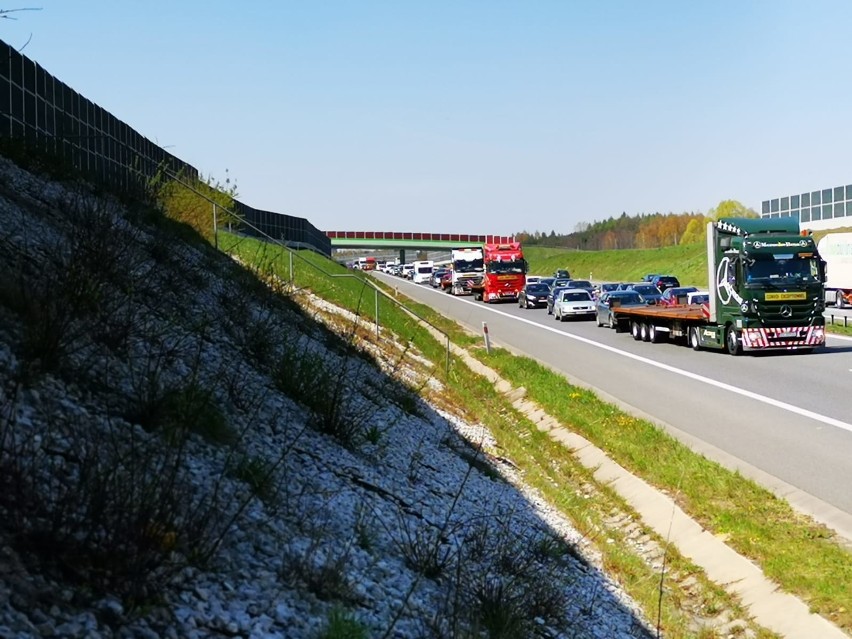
x=792 y=550
x=800 y=555
x=688 y=263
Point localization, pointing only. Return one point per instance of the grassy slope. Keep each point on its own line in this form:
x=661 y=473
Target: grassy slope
x=688 y=263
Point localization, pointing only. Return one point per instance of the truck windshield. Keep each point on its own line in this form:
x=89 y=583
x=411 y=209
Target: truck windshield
x=518 y=266
x=787 y=270
x=468 y=266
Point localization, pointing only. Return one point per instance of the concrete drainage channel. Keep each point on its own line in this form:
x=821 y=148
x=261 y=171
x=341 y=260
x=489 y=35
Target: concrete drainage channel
x=772 y=609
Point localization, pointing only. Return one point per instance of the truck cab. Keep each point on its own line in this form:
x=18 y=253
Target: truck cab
x=766 y=286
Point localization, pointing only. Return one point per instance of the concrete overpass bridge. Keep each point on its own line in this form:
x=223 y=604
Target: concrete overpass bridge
x=404 y=241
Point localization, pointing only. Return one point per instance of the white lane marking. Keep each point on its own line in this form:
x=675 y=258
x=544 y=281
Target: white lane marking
x=825 y=419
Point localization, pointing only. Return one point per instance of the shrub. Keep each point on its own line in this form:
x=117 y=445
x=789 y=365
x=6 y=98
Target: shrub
x=342 y=625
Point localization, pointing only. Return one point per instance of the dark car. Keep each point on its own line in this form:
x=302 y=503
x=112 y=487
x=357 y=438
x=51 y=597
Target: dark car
x=548 y=281
x=650 y=277
x=676 y=295
x=533 y=295
x=614 y=299
x=662 y=282
x=437 y=274
x=650 y=293
x=586 y=285
x=559 y=282
x=562 y=273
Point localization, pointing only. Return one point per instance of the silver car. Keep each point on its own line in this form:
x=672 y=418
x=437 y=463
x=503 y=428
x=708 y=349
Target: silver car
x=573 y=302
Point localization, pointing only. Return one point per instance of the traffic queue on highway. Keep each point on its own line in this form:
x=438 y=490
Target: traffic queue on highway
x=766 y=290
x=566 y=298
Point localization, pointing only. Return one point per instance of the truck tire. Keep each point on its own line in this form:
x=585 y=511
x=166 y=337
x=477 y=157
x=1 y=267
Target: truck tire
x=694 y=339
x=733 y=343
x=635 y=330
x=655 y=335
x=645 y=331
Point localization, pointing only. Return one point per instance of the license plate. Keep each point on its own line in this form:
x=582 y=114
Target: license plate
x=788 y=334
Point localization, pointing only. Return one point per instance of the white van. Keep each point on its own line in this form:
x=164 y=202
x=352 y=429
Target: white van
x=422 y=271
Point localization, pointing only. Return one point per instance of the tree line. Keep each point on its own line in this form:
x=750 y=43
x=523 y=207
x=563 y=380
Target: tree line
x=643 y=231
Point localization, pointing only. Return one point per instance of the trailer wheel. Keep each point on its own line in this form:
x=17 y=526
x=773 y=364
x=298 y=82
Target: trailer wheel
x=654 y=335
x=733 y=342
x=635 y=330
x=694 y=339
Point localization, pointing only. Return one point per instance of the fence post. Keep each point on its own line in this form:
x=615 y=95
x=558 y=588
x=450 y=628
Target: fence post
x=292 y=276
x=377 y=315
x=215 y=228
x=487 y=338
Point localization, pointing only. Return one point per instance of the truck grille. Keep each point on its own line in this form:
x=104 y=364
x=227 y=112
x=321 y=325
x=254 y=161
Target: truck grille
x=786 y=313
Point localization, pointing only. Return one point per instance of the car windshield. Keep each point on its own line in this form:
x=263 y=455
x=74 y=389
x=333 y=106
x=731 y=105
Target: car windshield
x=575 y=296
x=538 y=289
x=646 y=289
x=674 y=292
x=581 y=284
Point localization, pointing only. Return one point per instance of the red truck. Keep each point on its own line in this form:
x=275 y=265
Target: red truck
x=505 y=273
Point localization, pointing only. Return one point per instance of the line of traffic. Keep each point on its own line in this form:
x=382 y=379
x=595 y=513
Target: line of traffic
x=672 y=369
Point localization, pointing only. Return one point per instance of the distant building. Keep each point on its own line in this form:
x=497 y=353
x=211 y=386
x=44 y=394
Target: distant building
x=816 y=210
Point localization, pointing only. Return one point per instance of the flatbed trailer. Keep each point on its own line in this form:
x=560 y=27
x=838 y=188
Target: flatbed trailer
x=656 y=323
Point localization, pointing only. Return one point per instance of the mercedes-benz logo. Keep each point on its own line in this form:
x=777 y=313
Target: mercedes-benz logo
x=786 y=311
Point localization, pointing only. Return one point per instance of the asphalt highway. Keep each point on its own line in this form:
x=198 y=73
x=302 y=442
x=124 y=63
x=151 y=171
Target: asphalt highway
x=781 y=418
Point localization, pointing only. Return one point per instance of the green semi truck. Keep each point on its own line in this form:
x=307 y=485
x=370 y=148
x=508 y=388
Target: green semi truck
x=766 y=282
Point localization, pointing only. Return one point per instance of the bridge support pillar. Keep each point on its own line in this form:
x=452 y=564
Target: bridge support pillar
x=402 y=256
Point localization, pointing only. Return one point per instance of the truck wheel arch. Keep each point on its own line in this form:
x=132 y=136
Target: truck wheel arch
x=733 y=341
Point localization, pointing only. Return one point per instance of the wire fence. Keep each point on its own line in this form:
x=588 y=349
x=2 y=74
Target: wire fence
x=43 y=112
x=294 y=254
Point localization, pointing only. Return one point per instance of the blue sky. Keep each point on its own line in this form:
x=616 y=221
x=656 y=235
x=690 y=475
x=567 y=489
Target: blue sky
x=470 y=116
